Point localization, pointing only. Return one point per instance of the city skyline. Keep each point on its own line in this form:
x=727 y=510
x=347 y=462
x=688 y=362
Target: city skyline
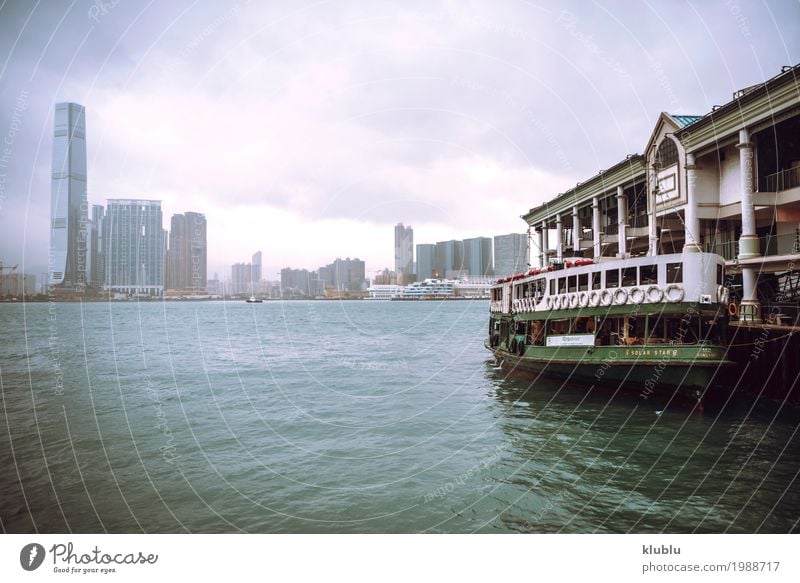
x=306 y=161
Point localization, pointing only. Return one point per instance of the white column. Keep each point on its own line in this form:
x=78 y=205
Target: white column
x=596 y=225
x=652 y=232
x=542 y=249
x=622 y=222
x=691 y=221
x=576 y=231
x=559 y=238
x=545 y=242
x=750 y=309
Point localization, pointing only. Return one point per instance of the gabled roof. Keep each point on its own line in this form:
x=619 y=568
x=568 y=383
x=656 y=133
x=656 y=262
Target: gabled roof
x=685 y=120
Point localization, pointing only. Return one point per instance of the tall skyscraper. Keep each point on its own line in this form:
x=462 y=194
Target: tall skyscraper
x=478 y=256
x=241 y=279
x=449 y=257
x=426 y=259
x=134 y=247
x=68 y=205
x=511 y=254
x=403 y=253
x=256 y=263
x=187 y=254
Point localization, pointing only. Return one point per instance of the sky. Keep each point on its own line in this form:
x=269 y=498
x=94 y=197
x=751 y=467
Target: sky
x=307 y=130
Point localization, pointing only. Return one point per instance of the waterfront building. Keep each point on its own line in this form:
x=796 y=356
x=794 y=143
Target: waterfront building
x=478 y=256
x=403 y=253
x=67 y=263
x=241 y=279
x=449 y=256
x=17 y=285
x=380 y=291
x=385 y=277
x=134 y=247
x=256 y=266
x=344 y=275
x=727 y=182
x=95 y=248
x=511 y=254
x=187 y=257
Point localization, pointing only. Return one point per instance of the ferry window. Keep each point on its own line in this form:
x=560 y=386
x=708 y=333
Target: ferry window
x=648 y=274
x=656 y=330
x=594 y=280
x=557 y=327
x=583 y=282
x=537 y=333
x=635 y=329
x=573 y=283
x=674 y=273
x=552 y=287
x=628 y=276
x=612 y=278
x=583 y=325
x=562 y=285
x=720 y=275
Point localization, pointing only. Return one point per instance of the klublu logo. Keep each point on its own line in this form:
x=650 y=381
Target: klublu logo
x=31 y=556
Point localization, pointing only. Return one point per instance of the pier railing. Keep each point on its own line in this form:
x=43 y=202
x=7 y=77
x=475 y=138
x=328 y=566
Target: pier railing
x=786 y=244
x=782 y=180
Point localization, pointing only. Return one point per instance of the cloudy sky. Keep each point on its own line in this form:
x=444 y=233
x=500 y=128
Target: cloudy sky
x=308 y=129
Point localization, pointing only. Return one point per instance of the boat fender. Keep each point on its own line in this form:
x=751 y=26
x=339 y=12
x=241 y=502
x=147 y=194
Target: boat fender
x=674 y=293
x=583 y=299
x=620 y=296
x=655 y=294
x=636 y=295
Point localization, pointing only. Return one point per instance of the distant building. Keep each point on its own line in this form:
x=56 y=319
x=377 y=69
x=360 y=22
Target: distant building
x=344 y=275
x=95 y=248
x=426 y=260
x=295 y=282
x=385 y=277
x=67 y=263
x=403 y=252
x=241 y=279
x=511 y=254
x=134 y=247
x=187 y=257
x=449 y=257
x=478 y=256
x=256 y=266
x=17 y=285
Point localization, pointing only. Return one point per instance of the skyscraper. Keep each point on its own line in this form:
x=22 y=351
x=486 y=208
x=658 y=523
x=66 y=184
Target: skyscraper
x=95 y=248
x=256 y=263
x=134 y=247
x=188 y=253
x=478 y=256
x=511 y=254
x=426 y=259
x=68 y=205
x=403 y=253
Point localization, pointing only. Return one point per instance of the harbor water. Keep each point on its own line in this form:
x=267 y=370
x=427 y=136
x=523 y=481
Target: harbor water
x=351 y=416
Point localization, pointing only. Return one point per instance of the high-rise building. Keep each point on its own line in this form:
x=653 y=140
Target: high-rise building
x=241 y=279
x=256 y=263
x=134 y=247
x=426 y=260
x=449 y=257
x=478 y=256
x=187 y=256
x=403 y=253
x=511 y=254
x=68 y=205
x=95 y=248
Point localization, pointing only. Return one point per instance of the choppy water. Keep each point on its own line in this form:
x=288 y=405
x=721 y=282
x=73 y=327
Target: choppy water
x=348 y=417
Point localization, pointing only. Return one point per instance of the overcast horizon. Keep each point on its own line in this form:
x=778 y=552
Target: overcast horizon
x=308 y=132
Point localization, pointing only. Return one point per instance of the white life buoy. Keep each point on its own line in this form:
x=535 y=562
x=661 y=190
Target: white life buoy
x=636 y=295
x=620 y=296
x=606 y=298
x=655 y=294
x=573 y=300
x=557 y=303
x=594 y=298
x=583 y=299
x=549 y=302
x=674 y=293
x=722 y=294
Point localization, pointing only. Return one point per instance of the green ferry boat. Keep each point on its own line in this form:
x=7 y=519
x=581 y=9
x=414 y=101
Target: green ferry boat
x=655 y=324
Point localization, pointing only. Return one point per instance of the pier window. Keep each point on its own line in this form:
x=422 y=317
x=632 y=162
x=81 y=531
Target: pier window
x=572 y=283
x=612 y=278
x=674 y=273
x=628 y=276
x=648 y=274
x=583 y=282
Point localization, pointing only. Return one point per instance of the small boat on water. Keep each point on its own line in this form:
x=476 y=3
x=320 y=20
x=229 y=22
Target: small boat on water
x=254 y=300
x=657 y=323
